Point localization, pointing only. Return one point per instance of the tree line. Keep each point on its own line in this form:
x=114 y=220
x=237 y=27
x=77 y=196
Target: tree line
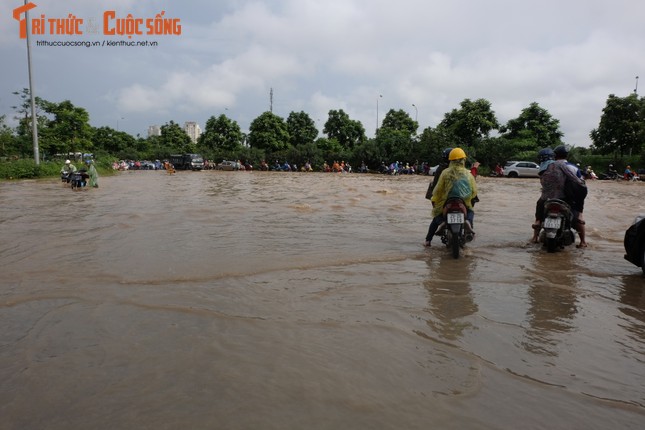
x=473 y=126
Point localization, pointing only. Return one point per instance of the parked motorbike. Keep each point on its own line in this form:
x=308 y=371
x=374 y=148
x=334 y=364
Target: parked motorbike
x=455 y=230
x=557 y=230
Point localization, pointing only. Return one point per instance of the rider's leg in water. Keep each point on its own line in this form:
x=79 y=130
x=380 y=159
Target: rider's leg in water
x=579 y=223
x=434 y=225
x=537 y=225
x=470 y=217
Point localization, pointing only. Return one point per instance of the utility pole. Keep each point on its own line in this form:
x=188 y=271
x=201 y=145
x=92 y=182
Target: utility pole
x=271 y=100
x=34 y=119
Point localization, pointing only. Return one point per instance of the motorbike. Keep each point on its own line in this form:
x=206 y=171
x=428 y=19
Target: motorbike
x=79 y=179
x=455 y=230
x=557 y=232
x=634 y=243
x=609 y=176
x=65 y=177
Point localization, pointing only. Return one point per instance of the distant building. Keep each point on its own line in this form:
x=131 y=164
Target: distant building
x=192 y=130
x=154 y=130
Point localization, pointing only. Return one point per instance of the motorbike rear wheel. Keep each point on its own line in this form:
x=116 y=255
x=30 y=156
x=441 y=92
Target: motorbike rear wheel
x=551 y=244
x=454 y=244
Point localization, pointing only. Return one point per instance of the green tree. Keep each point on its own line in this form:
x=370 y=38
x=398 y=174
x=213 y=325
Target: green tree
x=432 y=142
x=7 y=140
x=23 y=140
x=622 y=126
x=302 y=129
x=396 y=136
x=23 y=111
x=501 y=149
x=347 y=132
x=221 y=133
x=327 y=145
x=370 y=153
x=68 y=131
x=400 y=121
x=268 y=132
x=175 y=138
x=470 y=124
x=113 y=142
x=536 y=124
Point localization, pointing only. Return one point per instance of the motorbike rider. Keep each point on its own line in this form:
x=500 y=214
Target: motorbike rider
x=561 y=154
x=436 y=221
x=612 y=173
x=94 y=176
x=454 y=181
x=442 y=165
x=553 y=176
x=68 y=168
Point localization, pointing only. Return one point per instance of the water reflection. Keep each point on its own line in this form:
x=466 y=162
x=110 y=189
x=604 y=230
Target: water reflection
x=552 y=301
x=450 y=299
x=632 y=296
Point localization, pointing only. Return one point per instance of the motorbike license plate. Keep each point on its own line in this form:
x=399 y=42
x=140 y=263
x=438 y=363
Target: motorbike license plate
x=552 y=222
x=455 y=217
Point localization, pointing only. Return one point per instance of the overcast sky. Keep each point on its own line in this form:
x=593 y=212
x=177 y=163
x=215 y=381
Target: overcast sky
x=363 y=56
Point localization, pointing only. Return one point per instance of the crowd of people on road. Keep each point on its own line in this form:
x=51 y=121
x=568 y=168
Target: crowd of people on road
x=628 y=174
x=123 y=165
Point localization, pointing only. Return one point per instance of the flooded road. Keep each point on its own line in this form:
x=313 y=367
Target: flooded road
x=262 y=300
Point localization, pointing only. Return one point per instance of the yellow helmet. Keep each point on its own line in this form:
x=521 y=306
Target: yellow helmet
x=456 y=154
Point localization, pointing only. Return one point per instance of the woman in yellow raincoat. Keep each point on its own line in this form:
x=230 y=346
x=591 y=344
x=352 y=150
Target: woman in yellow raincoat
x=455 y=181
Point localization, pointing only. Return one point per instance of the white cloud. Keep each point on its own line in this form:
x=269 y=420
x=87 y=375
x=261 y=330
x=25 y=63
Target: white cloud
x=341 y=54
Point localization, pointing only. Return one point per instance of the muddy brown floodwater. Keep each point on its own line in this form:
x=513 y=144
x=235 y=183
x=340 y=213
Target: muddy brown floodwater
x=261 y=300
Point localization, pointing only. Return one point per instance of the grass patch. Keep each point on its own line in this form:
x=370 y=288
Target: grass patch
x=26 y=169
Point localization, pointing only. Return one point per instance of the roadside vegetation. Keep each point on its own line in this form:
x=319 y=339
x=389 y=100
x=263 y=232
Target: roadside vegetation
x=25 y=168
x=64 y=128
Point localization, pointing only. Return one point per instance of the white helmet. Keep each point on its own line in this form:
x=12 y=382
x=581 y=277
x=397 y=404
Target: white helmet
x=67 y=162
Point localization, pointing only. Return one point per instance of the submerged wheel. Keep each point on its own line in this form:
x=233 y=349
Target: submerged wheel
x=551 y=244
x=455 y=245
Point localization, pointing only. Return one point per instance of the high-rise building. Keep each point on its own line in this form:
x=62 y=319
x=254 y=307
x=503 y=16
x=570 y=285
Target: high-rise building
x=154 y=130
x=192 y=130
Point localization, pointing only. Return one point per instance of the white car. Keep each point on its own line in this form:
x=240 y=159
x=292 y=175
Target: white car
x=522 y=169
x=226 y=165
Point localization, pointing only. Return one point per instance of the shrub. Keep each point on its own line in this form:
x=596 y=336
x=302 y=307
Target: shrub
x=27 y=169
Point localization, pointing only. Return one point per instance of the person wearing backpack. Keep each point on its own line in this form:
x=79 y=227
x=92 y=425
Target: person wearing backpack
x=559 y=181
x=575 y=191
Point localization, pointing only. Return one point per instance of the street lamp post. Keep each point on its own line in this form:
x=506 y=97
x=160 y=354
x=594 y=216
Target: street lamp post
x=34 y=119
x=416 y=112
x=636 y=88
x=379 y=96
